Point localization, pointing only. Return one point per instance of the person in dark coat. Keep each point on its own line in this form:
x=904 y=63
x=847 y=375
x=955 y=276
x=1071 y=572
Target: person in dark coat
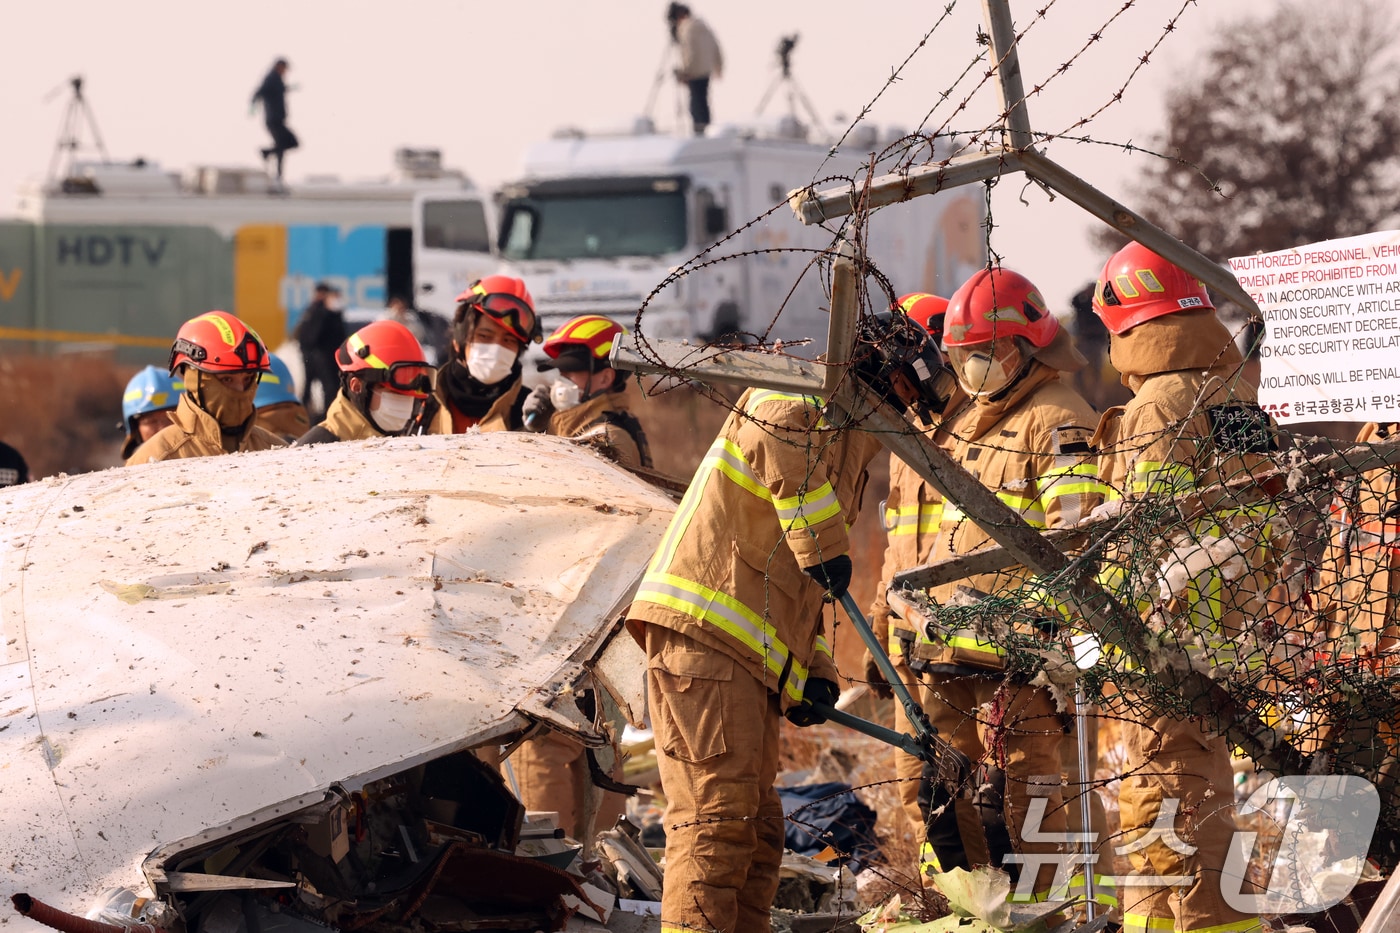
x=273 y=94
x=13 y=469
x=319 y=333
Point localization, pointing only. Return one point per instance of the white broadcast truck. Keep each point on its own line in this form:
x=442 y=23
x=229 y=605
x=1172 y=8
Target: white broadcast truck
x=596 y=222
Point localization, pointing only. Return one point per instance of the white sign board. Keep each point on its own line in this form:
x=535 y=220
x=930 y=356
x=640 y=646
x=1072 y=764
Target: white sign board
x=1331 y=349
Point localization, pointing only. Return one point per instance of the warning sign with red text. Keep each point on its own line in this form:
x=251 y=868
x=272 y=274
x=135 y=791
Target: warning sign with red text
x=1331 y=348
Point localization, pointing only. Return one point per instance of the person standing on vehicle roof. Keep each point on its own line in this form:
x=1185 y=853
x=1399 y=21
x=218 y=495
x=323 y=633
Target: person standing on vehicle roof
x=729 y=614
x=384 y=382
x=588 y=402
x=279 y=409
x=319 y=334
x=480 y=387
x=273 y=94
x=701 y=60
x=1026 y=438
x=147 y=403
x=219 y=359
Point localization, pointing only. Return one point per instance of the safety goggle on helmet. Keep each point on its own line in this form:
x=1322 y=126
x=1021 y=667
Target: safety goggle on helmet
x=505 y=300
x=386 y=353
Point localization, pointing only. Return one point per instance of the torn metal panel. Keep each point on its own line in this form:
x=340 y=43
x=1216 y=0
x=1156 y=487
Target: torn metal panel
x=201 y=647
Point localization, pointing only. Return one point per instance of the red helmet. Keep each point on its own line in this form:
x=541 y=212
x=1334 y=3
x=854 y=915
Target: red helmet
x=1137 y=285
x=927 y=309
x=386 y=352
x=504 y=299
x=996 y=303
x=590 y=337
x=218 y=342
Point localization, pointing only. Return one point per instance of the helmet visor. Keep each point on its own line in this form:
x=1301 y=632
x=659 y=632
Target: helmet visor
x=512 y=313
x=416 y=378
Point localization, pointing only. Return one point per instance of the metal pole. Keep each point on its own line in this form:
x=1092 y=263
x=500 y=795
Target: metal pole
x=997 y=15
x=912 y=709
x=1081 y=722
x=841 y=330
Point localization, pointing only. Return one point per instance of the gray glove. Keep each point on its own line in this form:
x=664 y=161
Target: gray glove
x=537 y=410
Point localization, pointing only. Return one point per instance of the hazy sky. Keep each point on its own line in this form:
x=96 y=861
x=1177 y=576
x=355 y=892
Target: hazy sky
x=170 y=80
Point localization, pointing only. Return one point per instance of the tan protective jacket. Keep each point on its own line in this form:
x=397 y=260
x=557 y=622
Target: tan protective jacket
x=700 y=54
x=1360 y=574
x=288 y=420
x=195 y=433
x=1031 y=448
x=347 y=422
x=1190 y=425
x=913 y=514
x=497 y=417
x=588 y=424
x=775 y=493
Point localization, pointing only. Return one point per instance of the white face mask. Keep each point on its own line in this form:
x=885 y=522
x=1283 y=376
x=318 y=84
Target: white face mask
x=392 y=410
x=982 y=374
x=565 y=394
x=489 y=363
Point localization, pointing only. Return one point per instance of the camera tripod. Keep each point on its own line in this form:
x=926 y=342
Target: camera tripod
x=785 y=79
x=70 y=130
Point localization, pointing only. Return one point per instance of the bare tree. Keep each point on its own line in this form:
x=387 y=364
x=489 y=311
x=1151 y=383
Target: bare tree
x=1288 y=133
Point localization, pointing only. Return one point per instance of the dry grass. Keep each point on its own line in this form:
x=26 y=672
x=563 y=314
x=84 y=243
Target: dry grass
x=61 y=411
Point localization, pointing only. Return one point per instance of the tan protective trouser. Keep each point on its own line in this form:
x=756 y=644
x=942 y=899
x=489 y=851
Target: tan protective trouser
x=1169 y=758
x=552 y=772
x=1020 y=732
x=716 y=729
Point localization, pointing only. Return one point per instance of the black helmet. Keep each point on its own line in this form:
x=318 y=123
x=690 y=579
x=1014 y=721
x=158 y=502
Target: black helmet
x=888 y=342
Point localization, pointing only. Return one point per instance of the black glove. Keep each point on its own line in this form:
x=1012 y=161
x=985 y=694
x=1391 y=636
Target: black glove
x=875 y=678
x=816 y=690
x=537 y=409
x=834 y=575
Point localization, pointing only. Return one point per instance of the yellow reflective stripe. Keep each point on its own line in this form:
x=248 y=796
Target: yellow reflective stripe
x=680 y=521
x=730 y=461
x=763 y=396
x=1104 y=887
x=1153 y=477
x=1139 y=923
x=728 y=615
x=928 y=859
x=357 y=344
x=823 y=646
x=972 y=643
x=1026 y=506
x=806 y=509
x=923 y=518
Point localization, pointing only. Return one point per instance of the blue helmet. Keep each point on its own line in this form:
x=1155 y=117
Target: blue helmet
x=276 y=386
x=151 y=389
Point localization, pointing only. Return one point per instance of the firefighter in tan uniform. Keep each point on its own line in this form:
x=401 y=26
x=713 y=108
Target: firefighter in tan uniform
x=481 y=387
x=912 y=515
x=729 y=612
x=1191 y=423
x=280 y=410
x=1026 y=438
x=1360 y=579
x=218 y=358
x=588 y=402
x=384 y=384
